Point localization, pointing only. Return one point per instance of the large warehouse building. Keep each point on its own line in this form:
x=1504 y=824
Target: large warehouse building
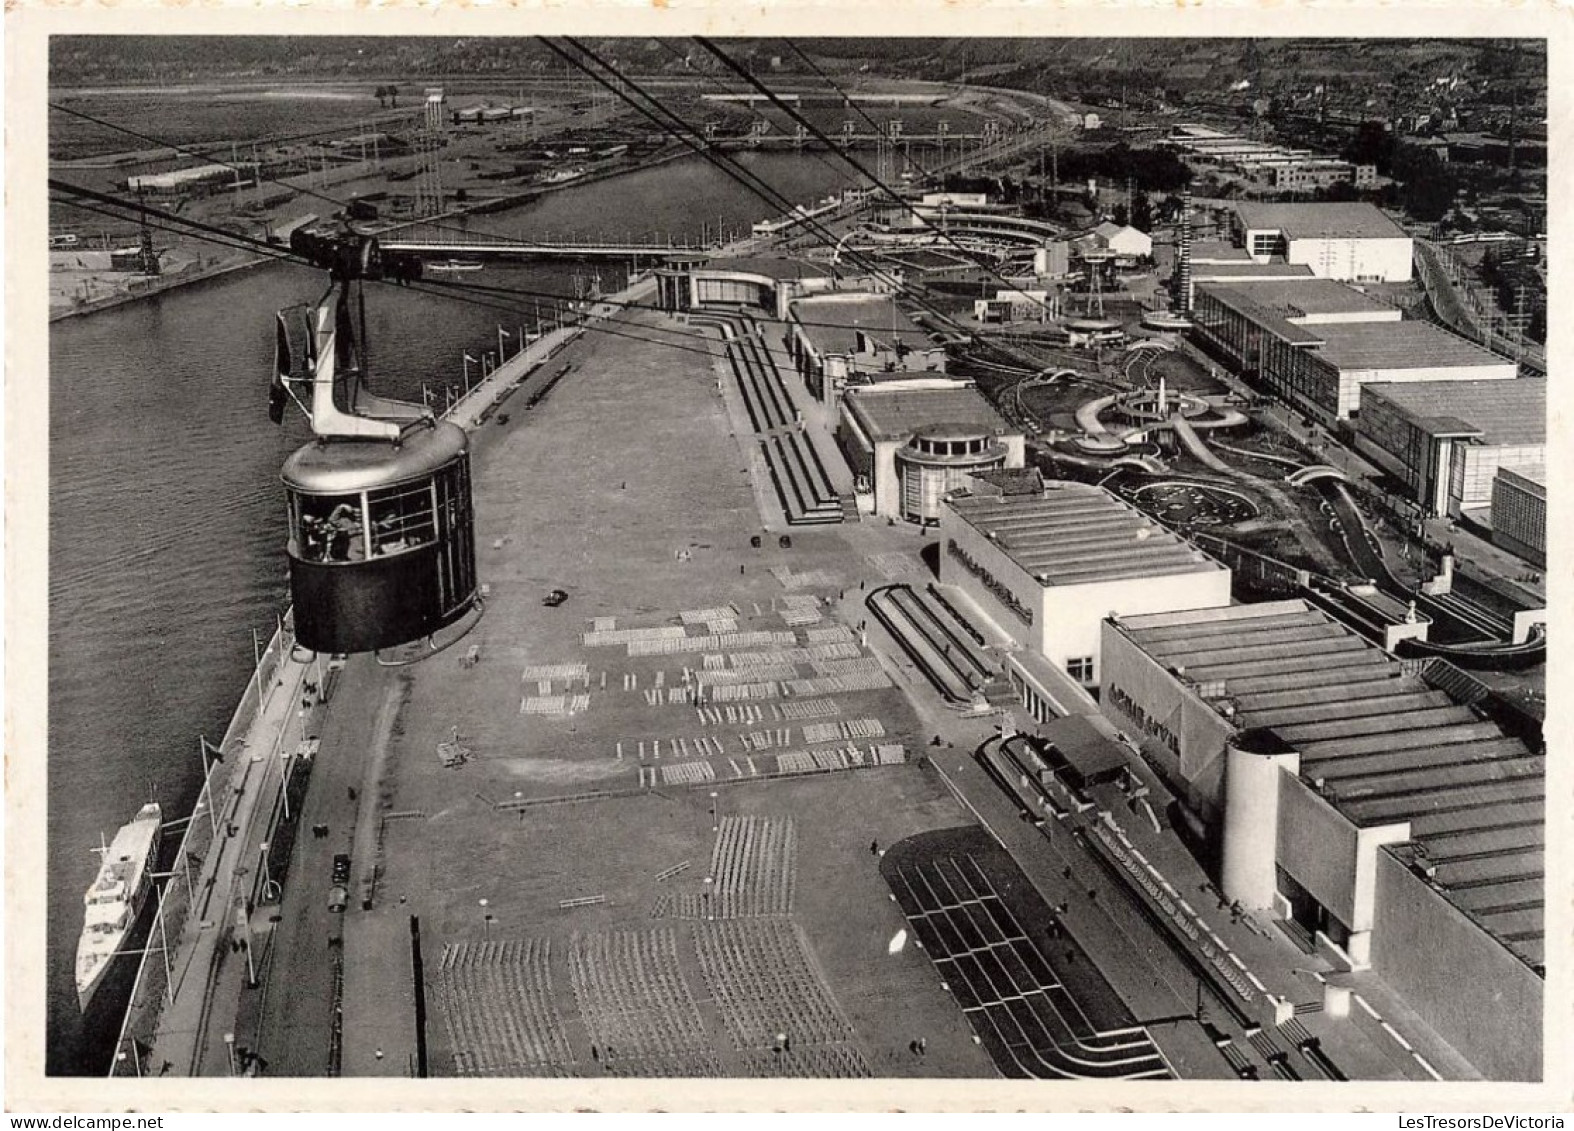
x=1447 y=439
x=1359 y=799
x=1315 y=343
x=1048 y=567
x=1350 y=242
x=911 y=446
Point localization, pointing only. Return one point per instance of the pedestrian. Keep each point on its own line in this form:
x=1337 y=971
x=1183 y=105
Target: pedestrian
x=352 y=793
x=1093 y=895
x=378 y=1054
x=1071 y=957
x=740 y=569
x=923 y=1045
x=1066 y=872
x=874 y=848
x=912 y=1047
x=595 y=1054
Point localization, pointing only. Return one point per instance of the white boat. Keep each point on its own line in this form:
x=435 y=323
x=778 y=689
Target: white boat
x=560 y=176
x=454 y=265
x=114 y=902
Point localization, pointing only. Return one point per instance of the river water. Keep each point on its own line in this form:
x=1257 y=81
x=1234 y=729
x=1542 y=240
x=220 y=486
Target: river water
x=166 y=535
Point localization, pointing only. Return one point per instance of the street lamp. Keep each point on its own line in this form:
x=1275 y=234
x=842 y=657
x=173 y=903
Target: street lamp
x=229 y=1048
x=486 y=919
x=715 y=825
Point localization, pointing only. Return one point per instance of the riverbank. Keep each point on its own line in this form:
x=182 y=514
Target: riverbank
x=165 y=284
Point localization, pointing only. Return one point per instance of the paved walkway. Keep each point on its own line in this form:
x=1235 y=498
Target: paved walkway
x=209 y=975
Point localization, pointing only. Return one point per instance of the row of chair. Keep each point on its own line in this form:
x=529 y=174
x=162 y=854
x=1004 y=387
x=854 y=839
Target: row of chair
x=498 y=1009
x=765 y=985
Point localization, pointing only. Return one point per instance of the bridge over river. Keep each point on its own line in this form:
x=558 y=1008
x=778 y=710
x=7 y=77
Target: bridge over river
x=493 y=248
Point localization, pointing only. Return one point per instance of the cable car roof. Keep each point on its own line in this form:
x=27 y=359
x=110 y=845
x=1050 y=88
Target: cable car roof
x=344 y=466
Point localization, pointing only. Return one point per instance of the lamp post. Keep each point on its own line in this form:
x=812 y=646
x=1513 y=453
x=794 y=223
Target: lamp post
x=267 y=872
x=244 y=926
x=486 y=919
x=229 y=1049
x=715 y=825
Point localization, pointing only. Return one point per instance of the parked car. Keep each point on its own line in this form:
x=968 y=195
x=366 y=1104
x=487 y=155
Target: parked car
x=555 y=598
x=339 y=893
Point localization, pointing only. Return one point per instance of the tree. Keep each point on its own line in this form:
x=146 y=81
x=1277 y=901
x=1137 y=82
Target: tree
x=1120 y=215
x=1142 y=212
x=1372 y=145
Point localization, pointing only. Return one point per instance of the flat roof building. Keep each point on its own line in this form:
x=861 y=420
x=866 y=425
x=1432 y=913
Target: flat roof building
x=910 y=447
x=1349 y=242
x=1363 y=801
x=834 y=337
x=1447 y=439
x=769 y=283
x=1047 y=567
x=1315 y=343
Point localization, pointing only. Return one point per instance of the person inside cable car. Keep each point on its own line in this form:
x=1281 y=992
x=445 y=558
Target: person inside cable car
x=346 y=542
x=314 y=539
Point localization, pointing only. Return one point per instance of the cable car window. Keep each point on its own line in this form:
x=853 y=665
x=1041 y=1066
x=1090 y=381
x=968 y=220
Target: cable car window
x=331 y=528
x=402 y=518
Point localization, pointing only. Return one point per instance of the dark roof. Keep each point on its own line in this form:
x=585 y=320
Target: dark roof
x=771 y=266
x=1269 y=319
x=1088 y=743
x=832 y=322
x=1320 y=221
x=895 y=414
x=1013 y=480
x=1297 y=298
x=1274 y=269
x=1400 y=345
x=1500 y=412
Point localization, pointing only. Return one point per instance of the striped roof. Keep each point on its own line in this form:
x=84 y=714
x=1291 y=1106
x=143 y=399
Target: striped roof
x=1077 y=534
x=1382 y=743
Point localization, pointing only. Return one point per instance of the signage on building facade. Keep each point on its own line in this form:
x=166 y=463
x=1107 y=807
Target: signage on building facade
x=991 y=582
x=1145 y=722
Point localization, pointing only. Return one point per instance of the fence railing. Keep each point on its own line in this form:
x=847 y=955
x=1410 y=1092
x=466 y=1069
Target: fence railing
x=164 y=963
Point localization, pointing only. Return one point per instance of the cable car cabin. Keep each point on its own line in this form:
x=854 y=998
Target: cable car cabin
x=382 y=539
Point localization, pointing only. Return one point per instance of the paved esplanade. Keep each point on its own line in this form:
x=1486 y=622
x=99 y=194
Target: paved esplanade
x=210 y=978
x=206 y=973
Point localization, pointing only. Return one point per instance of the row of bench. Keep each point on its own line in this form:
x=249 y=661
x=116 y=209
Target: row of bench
x=1031 y=1023
x=802 y=485
x=764 y=396
x=764 y=985
x=637 y=1009
x=498 y=1010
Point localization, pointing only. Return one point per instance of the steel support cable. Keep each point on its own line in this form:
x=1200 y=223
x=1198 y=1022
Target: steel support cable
x=744 y=176
x=776 y=101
